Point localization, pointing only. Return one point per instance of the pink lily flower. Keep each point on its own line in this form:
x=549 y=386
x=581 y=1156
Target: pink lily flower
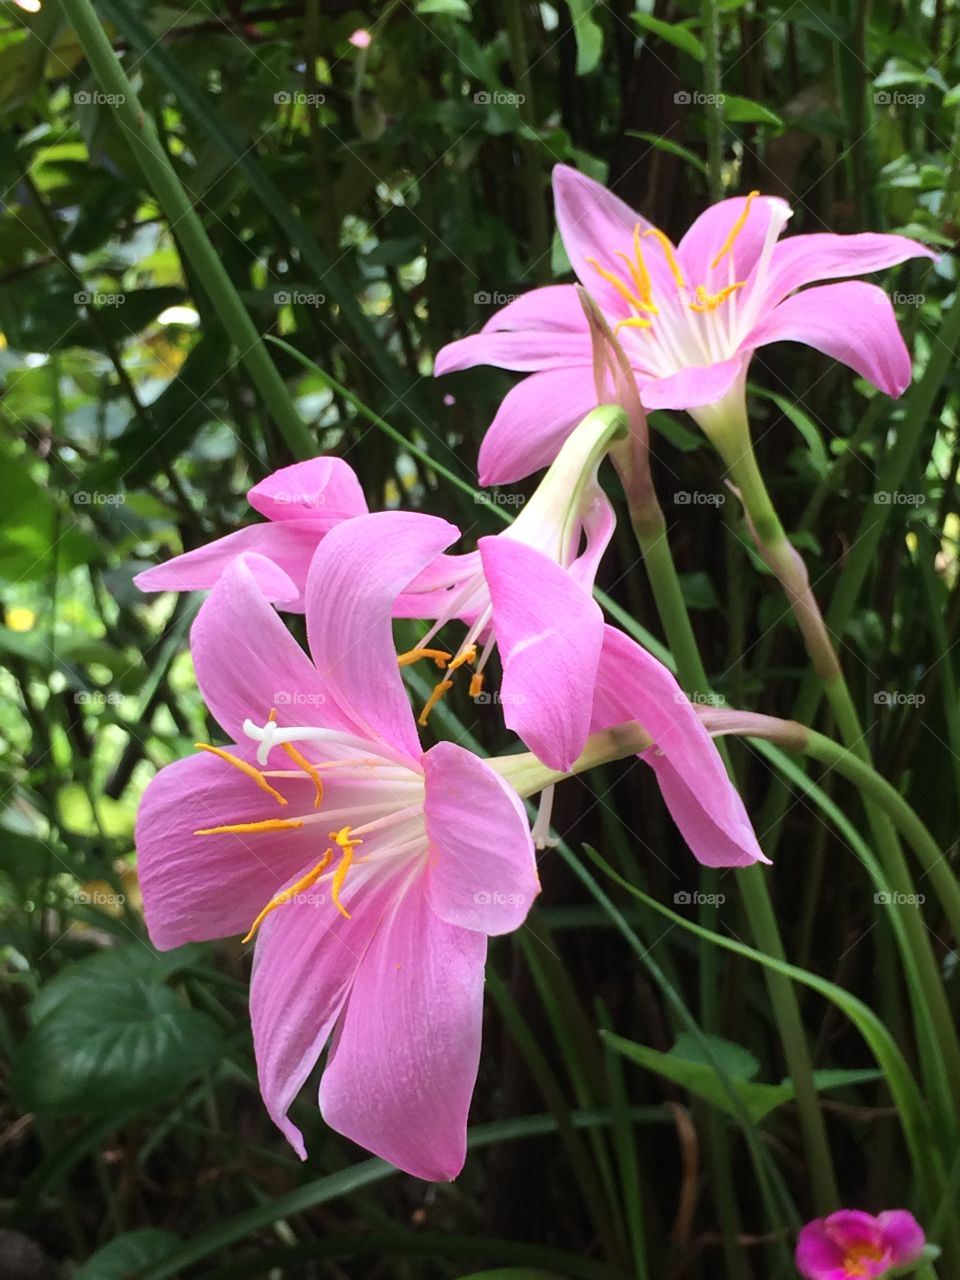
x=850 y=1245
x=370 y=872
x=302 y=503
x=527 y=592
x=689 y=317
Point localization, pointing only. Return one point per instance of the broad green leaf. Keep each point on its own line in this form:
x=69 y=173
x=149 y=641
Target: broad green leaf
x=36 y=537
x=746 y=111
x=127 y=1254
x=676 y=33
x=450 y=8
x=588 y=34
x=673 y=148
x=804 y=424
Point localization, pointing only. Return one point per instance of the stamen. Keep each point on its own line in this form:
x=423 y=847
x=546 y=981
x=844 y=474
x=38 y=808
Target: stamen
x=735 y=230
x=440 y=657
x=432 y=701
x=710 y=301
x=469 y=654
x=342 y=838
x=250 y=770
x=668 y=253
x=310 y=770
x=635 y=322
x=267 y=824
x=617 y=283
x=304 y=882
x=476 y=684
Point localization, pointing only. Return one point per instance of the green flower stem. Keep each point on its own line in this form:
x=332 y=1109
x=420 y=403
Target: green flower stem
x=756 y=897
x=140 y=132
x=936 y=1031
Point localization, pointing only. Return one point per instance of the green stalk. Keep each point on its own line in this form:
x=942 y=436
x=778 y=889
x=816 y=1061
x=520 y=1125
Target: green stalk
x=141 y=134
x=936 y=1033
x=714 y=110
x=756 y=897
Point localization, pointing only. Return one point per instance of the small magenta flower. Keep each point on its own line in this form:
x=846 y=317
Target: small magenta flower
x=688 y=317
x=370 y=872
x=302 y=503
x=850 y=1245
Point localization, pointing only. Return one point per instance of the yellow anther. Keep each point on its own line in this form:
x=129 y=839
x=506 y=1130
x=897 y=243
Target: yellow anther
x=668 y=252
x=267 y=824
x=617 y=283
x=634 y=322
x=303 y=883
x=432 y=701
x=647 y=286
x=735 y=230
x=440 y=657
x=465 y=655
x=309 y=769
x=710 y=301
x=250 y=770
x=476 y=684
x=343 y=839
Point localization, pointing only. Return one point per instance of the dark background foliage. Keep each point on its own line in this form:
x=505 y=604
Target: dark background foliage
x=370 y=206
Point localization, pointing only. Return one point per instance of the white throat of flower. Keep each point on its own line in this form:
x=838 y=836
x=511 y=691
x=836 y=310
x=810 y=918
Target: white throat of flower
x=550 y=522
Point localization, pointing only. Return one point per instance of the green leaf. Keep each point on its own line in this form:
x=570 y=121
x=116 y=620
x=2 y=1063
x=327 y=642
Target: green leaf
x=127 y=1254
x=699 y=1077
x=673 y=148
x=588 y=34
x=36 y=538
x=746 y=111
x=676 y=33
x=107 y=1034
x=804 y=424
x=451 y=8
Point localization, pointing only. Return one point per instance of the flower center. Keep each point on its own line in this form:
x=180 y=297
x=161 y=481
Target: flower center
x=655 y=318
x=385 y=789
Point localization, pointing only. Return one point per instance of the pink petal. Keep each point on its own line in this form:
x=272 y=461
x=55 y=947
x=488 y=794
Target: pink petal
x=598 y=524
x=358 y=572
x=533 y=421
x=693 y=387
x=307 y=956
x=482 y=873
x=708 y=234
x=818 y=1256
x=633 y=685
x=326 y=489
x=528 y=350
x=555 y=306
x=801 y=260
x=247 y=662
x=289 y=544
x=403 y=1064
x=903 y=1234
x=549 y=632
x=853 y=322
x=201 y=887
x=594 y=223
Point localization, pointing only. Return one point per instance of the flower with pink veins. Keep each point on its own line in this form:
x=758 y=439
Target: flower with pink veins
x=302 y=503
x=369 y=872
x=528 y=592
x=850 y=1245
x=689 y=317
